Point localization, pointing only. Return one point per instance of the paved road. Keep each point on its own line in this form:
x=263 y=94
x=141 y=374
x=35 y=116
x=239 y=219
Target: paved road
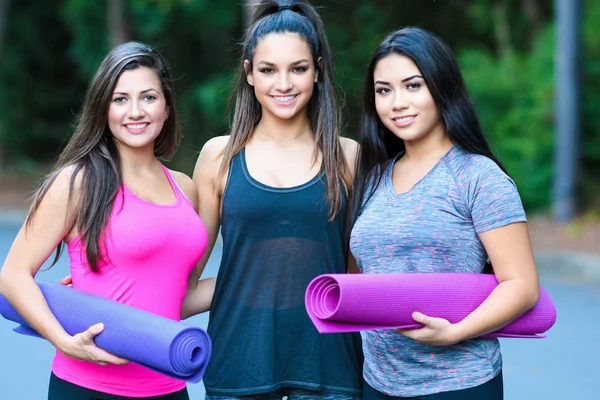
x=563 y=366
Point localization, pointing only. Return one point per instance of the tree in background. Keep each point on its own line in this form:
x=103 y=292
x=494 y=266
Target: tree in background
x=118 y=29
x=505 y=47
x=4 y=4
x=38 y=87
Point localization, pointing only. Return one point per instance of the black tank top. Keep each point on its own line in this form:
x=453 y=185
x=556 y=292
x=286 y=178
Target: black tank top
x=275 y=241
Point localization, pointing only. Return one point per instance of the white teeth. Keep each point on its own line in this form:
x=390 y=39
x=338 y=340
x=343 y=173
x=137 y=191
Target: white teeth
x=137 y=126
x=284 y=99
x=404 y=119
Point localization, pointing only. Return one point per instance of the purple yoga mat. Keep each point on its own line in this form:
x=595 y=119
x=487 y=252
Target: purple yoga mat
x=160 y=344
x=360 y=302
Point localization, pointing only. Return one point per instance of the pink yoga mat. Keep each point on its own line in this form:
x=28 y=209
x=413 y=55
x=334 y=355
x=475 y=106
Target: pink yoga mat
x=359 y=302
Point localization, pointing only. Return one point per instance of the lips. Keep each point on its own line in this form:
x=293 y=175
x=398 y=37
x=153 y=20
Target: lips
x=137 y=128
x=285 y=100
x=404 y=120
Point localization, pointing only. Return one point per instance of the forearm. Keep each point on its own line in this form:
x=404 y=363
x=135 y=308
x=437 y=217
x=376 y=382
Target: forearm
x=20 y=289
x=199 y=298
x=509 y=300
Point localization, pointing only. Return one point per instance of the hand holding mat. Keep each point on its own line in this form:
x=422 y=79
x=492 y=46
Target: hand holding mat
x=160 y=344
x=358 y=302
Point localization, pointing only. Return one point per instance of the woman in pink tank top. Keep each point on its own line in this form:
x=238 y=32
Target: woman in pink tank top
x=131 y=226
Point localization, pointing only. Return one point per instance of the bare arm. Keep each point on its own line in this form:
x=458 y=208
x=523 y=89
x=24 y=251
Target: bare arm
x=34 y=243
x=350 y=149
x=352 y=265
x=511 y=254
x=200 y=292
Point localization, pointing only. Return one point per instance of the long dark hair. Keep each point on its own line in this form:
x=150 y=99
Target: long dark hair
x=323 y=112
x=92 y=151
x=447 y=87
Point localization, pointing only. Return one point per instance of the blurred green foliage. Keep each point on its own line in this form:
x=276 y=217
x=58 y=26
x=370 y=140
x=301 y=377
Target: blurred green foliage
x=506 y=49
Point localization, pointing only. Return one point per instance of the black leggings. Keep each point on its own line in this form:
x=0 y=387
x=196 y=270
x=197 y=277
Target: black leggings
x=491 y=390
x=62 y=390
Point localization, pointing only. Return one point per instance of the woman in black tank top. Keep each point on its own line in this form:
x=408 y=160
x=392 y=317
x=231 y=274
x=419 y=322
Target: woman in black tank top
x=277 y=186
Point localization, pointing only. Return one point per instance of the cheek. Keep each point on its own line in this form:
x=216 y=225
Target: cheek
x=424 y=101
x=159 y=113
x=115 y=115
x=427 y=103
x=261 y=87
x=308 y=83
x=382 y=106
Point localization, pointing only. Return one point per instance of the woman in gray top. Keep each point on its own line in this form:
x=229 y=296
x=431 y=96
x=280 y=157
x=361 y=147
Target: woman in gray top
x=431 y=197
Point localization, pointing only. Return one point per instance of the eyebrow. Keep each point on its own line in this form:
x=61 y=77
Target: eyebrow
x=402 y=81
x=270 y=64
x=142 y=92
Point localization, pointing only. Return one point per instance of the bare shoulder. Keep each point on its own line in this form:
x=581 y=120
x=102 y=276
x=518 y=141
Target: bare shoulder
x=186 y=183
x=350 y=149
x=349 y=145
x=61 y=186
x=211 y=155
x=62 y=194
x=213 y=149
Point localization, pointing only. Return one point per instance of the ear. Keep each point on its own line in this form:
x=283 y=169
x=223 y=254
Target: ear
x=319 y=65
x=248 y=70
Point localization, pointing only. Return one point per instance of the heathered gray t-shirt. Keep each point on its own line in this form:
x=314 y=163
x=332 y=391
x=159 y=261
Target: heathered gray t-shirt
x=433 y=228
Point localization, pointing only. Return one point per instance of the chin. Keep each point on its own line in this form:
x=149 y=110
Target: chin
x=138 y=144
x=287 y=114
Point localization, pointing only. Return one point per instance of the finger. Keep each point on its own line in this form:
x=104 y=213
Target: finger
x=105 y=356
x=409 y=333
x=422 y=318
x=92 y=332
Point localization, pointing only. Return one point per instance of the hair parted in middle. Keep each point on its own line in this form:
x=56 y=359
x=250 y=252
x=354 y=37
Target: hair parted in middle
x=324 y=116
x=92 y=151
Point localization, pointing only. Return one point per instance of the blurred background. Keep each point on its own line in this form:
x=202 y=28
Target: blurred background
x=532 y=68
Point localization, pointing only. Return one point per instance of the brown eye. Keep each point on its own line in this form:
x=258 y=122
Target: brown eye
x=413 y=86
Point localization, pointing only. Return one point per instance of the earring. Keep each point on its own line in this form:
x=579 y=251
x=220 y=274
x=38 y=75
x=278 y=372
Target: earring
x=165 y=117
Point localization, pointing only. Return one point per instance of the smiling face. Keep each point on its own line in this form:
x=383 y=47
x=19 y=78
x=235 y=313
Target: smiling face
x=138 y=108
x=403 y=101
x=283 y=75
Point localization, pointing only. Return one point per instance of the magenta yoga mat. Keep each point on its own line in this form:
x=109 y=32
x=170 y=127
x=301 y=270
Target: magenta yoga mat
x=163 y=345
x=359 y=302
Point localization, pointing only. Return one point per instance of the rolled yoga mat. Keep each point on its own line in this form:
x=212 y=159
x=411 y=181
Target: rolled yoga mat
x=358 y=302
x=160 y=344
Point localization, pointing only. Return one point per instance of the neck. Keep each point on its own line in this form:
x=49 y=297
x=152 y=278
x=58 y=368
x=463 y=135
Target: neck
x=137 y=159
x=433 y=146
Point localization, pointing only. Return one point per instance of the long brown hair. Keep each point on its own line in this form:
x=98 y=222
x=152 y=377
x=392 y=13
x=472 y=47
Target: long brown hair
x=92 y=151
x=323 y=111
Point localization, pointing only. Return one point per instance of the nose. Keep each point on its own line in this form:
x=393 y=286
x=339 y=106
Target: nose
x=284 y=83
x=400 y=100
x=135 y=111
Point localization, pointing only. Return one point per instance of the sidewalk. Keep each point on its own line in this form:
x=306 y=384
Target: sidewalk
x=571 y=251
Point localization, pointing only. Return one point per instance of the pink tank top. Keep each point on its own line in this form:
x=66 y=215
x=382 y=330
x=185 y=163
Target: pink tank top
x=151 y=251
